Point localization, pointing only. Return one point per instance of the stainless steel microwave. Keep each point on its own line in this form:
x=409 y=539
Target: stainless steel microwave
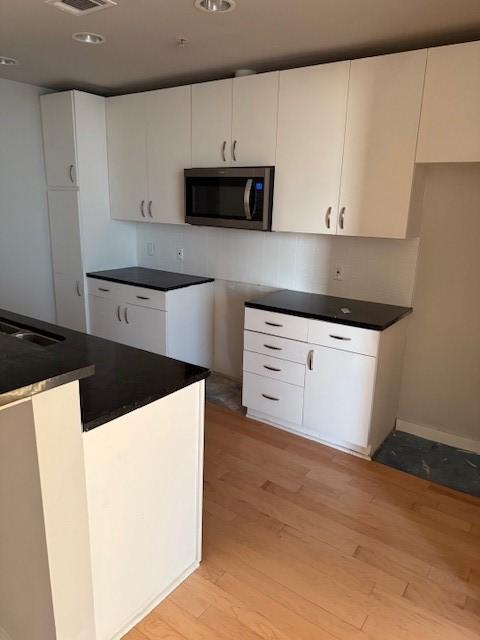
x=235 y=197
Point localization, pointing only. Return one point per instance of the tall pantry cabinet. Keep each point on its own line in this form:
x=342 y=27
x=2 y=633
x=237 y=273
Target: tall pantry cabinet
x=83 y=236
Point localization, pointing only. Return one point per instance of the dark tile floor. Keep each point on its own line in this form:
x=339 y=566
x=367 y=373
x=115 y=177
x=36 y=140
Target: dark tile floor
x=454 y=468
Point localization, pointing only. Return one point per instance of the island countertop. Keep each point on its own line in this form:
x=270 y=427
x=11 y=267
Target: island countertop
x=114 y=379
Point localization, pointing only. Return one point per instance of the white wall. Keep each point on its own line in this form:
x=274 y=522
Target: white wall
x=25 y=260
x=249 y=263
x=441 y=378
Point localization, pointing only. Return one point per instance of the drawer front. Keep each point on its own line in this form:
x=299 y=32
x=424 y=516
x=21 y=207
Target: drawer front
x=276 y=324
x=274 y=368
x=127 y=293
x=340 y=336
x=277 y=399
x=275 y=346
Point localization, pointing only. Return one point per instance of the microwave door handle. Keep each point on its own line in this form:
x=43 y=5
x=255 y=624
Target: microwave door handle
x=246 y=199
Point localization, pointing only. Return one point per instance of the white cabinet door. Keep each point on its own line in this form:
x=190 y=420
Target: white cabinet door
x=169 y=142
x=383 y=115
x=145 y=328
x=59 y=139
x=127 y=157
x=311 y=130
x=339 y=395
x=254 y=121
x=70 y=301
x=212 y=123
x=106 y=319
x=63 y=210
x=450 y=124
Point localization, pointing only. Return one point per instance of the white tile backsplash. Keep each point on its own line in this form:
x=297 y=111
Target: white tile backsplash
x=374 y=269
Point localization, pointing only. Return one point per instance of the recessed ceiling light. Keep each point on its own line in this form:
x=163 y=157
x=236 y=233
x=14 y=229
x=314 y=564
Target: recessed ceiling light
x=215 y=6
x=89 y=38
x=8 y=62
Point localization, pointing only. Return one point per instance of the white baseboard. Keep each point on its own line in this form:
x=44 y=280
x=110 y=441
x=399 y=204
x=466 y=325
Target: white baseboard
x=4 y=635
x=431 y=433
x=154 y=603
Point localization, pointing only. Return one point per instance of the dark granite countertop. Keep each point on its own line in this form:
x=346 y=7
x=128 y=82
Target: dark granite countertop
x=114 y=379
x=149 y=278
x=356 y=313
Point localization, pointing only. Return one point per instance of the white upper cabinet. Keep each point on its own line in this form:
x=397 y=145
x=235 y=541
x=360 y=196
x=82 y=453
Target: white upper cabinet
x=234 y=122
x=383 y=115
x=311 y=130
x=254 y=120
x=450 y=124
x=127 y=156
x=212 y=123
x=168 y=152
x=58 y=123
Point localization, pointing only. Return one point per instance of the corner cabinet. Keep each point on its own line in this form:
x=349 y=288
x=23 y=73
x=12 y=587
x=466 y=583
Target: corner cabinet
x=234 y=121
x=347 y=135
x=149 y=146
x=333 y=383
x=450 y=124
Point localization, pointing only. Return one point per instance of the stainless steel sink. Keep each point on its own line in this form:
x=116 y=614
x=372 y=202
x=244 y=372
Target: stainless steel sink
x=27 y=335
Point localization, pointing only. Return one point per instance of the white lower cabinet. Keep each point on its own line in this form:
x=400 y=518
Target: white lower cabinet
x=70 y=301
x=339 y=395
x=336 y=384
x=177 y=323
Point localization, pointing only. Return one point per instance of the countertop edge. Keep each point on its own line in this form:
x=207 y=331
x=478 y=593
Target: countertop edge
x=323 y=318
x=147 y=286
x=128 y=408
x=28 y=391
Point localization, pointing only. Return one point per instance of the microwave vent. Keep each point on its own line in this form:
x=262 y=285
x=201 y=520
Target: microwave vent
x=81 y=7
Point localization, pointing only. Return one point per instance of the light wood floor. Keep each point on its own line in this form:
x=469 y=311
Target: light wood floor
x=302 y=542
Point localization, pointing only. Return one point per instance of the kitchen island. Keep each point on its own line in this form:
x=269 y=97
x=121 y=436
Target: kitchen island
x=101 y=465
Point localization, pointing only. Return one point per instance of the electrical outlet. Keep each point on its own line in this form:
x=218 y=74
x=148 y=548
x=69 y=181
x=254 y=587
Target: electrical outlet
x=150 y=248
x=180 y=253
x=339 y=272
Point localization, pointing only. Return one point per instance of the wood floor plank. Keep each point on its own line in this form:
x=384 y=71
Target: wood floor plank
x=302 y=542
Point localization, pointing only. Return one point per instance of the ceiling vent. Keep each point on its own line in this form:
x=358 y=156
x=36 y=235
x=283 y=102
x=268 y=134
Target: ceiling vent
x=81 y=7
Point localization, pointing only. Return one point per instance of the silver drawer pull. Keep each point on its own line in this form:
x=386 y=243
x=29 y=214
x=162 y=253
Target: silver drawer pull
x=102 y=289
x=273 y=324
x=265 y=366
x=270 y=346
x=270 y=397
x=143 y=298
x=339 y=337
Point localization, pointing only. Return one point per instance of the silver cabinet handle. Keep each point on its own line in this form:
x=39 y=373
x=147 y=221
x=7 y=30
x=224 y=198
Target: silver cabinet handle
x=142 y=208
x=341 y=219
x=310 y=360
x=70 y=173
x=328 y=217
x=339 y=337
x=266 y=366
x=143 y=298
x=125 y=315
x=246 y=199
x=273 y=324
x=150 y=208
x=271 y=346
x=119 y=317
x=270 y=397
x=234 y=150
x=77 y=289
x=102 y=289
x=224 y=148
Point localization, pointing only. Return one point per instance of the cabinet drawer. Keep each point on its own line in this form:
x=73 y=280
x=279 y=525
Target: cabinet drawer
x=275 y=346
x=274 y=368
x=340 y=336
x=277 y=324
x=127 y=294
x=275 y=398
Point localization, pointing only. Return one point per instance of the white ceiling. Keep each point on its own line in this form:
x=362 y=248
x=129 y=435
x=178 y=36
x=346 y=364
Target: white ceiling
x=141 y=52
